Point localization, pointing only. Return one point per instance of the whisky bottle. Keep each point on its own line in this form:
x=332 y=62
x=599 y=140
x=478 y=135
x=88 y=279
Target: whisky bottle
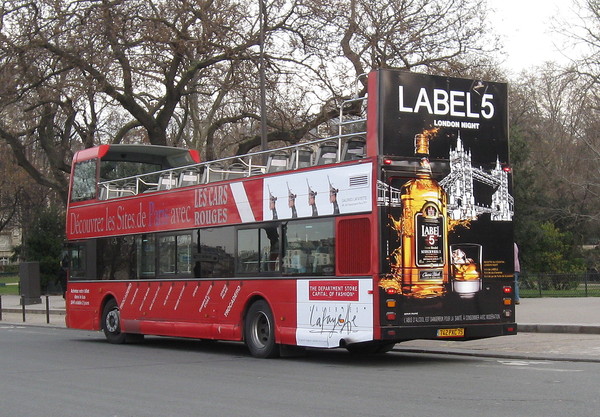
x=424 y=231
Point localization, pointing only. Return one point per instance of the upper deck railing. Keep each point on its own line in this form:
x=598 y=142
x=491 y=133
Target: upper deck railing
x=349 y=144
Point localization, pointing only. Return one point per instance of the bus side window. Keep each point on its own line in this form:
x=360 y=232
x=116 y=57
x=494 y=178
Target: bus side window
x=115 y=257
x=269 y=248
x=258 y=250
x=309 y=247
x=146 y=256
x=248 y=251
x=167 y=255
x=185 y=248
x=77 y=261
x=216 y=253
x=175 y=255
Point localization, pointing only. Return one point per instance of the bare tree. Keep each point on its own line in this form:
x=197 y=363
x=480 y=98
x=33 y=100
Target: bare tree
x=583 y=101
x=553 y=112
x=409 y=34
x=345 y=39
x=79 y=73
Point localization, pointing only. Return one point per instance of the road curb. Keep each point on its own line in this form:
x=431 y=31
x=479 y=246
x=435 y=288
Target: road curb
x=14 y=323
x=27 y=311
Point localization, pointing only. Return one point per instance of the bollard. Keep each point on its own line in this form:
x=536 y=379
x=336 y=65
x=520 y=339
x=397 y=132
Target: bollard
x=23 y=306
x=0 y=308
x=47 y=310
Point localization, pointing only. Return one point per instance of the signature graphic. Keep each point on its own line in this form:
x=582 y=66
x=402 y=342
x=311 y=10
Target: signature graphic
x=323 y=321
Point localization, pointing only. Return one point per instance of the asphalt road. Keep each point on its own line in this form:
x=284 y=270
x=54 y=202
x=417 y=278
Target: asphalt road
x=61 y=372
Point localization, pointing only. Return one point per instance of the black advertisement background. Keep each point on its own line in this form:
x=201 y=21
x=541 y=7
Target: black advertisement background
x=398 y=129
x=488 y=144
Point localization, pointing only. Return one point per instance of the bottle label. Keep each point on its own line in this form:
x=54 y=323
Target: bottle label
x=429 y=239
x=431 y=275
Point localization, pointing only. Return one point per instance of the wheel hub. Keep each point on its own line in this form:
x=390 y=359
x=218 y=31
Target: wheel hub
x=112 y=321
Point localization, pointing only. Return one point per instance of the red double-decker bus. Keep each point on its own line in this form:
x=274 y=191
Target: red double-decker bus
x=397 y=228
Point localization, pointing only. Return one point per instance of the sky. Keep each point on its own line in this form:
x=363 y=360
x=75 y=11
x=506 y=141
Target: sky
x=525 y=27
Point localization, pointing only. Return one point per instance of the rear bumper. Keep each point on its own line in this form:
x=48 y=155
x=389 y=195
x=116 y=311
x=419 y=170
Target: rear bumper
x=471 y=331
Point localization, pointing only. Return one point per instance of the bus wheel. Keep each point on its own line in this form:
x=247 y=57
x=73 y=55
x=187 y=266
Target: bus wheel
x=259 y=331
x=111 y=323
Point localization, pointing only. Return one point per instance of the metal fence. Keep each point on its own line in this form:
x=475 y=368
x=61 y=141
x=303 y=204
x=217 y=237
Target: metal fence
x=559 y=285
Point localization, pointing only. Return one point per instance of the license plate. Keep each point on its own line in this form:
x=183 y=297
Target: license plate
x=458 y=332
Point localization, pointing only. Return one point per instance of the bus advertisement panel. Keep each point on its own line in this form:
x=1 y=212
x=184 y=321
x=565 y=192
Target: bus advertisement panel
x=447 y=215
x=328 y=191
x=329 y=311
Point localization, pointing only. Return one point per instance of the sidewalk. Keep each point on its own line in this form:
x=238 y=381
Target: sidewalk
x=558 y=329
x=559 y=315
x=548 y=329
x=35 y=314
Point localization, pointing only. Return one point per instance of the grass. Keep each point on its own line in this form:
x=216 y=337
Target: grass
x=583 y=285
x=9 y=289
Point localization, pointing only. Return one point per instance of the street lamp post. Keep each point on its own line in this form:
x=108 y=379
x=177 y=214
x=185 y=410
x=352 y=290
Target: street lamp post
x=263 y=99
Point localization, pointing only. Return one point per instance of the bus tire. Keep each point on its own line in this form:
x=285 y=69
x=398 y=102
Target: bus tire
x=259 y=330
x=111 y=323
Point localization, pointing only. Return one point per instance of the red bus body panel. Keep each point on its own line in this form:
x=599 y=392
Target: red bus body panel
x=195 y=309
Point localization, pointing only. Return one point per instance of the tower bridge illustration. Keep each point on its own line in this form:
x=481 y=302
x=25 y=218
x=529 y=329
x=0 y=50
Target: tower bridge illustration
x=460 y=185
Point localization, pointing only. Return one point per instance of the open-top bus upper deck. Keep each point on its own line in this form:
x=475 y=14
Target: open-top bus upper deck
x=125 y=189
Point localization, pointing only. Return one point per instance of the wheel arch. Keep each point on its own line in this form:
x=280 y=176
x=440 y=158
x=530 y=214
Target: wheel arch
x=251 y=300
x=105 y=299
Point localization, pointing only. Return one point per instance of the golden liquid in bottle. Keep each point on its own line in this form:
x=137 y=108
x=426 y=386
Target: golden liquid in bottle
x=424 y=236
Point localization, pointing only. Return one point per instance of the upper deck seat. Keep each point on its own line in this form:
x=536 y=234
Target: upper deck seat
x=354 y=148
x=278 y=161
x=167 y=181
x=301 y=157
x=189 y=177
x=327 y=153
x=215 y=171
x=236 y=170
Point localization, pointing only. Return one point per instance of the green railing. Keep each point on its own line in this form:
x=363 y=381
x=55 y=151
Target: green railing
x=559 y=285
